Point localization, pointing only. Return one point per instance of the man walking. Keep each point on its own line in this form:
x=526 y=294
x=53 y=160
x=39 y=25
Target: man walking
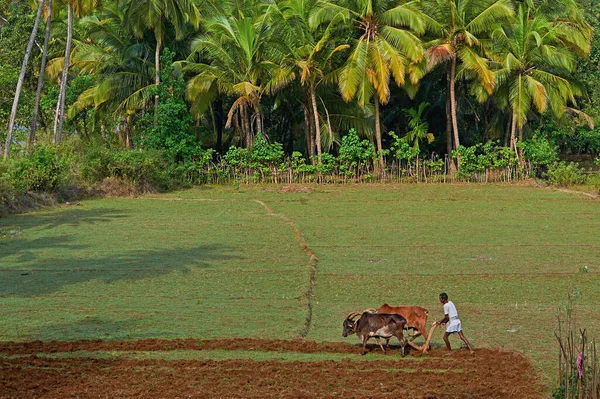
x=452 y=322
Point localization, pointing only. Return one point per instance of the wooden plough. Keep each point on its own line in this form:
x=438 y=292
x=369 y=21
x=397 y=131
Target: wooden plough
x=425 y=347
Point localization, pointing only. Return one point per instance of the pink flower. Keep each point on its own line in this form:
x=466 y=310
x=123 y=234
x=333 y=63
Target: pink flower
x=579 y=362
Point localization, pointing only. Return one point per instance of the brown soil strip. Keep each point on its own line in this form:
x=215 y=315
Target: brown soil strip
x=486 y=374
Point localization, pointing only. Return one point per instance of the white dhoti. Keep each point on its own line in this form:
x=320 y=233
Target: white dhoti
x=453 y=325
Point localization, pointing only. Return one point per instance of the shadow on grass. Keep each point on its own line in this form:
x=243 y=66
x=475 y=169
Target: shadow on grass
x=55 y=274
x=13 y=230
x=73 y=216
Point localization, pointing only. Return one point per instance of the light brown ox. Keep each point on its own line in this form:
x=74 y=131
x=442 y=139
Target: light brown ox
x=416 y=317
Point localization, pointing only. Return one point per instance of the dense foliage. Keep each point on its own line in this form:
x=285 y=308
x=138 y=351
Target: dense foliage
x=353 y=87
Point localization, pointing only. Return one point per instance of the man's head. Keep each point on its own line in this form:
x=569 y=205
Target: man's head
x=443 y=297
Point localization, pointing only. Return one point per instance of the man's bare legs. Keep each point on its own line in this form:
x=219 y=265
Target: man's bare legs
x=447 y=341
x=462 y=337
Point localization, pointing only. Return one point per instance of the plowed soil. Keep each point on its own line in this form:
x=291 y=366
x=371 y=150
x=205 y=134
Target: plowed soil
x=34 y=370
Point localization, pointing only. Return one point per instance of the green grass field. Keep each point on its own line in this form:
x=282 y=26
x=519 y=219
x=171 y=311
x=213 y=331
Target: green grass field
x=217 y=262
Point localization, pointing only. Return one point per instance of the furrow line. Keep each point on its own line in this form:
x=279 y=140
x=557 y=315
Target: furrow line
x=308 y=295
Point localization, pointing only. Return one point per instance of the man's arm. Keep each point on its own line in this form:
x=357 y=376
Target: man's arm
x=445 y=320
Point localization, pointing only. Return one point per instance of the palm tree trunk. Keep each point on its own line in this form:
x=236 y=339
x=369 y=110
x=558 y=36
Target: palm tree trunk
x=127 y=128
x=448 y=122
x=308 y=134
x=156 y=78
x=60 y=106
x=13 y=113
x=453 y=102
x=246 y=126
x=40 y=86
x=317 y=124
x=519 y=150
x=508 y=126
x=259 y=121
x=452 y=92
x=513 y=140
x=378 y=133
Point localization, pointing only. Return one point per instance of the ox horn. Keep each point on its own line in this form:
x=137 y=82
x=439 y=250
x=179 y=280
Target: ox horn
x=370 y=310
x=352 y=315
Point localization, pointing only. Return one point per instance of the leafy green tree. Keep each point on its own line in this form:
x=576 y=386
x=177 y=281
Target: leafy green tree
x=230 y=59
x=155 y=15
x=308 y=58
x=13 y=113
x=122 y=67
x=458 y=29
x=171 y=129
x=534 y=71
x=385 y=41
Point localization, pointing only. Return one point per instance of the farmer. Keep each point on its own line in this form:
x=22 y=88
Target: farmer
x=452 y=322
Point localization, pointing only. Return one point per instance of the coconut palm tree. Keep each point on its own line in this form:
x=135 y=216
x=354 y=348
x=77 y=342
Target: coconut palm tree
x=75 y=8
x=60 y=104
x=307 y=58
x=418 y=127
x=385 y=41
x=231 y=59
x=458 y=29
x=122 y=66
x=40 y=86
x=569 y=24
x=155 y=15
x=535 y=66
x=13 y=113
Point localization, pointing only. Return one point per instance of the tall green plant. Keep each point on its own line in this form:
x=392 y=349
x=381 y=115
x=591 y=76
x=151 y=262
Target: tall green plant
x=121 y=65
x=230 y=59
x=170 y=128
x=385 y=39
x=534 y=69
x=308 y=57
x=157 y=15
x=458 y=29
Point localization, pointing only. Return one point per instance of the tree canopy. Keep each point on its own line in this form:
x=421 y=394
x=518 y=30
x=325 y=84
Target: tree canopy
x=304 y=72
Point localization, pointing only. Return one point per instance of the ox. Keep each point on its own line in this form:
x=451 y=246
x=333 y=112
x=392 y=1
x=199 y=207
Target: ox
x=416 y=317
x=378 y=325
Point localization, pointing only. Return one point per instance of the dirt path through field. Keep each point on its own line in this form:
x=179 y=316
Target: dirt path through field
x=37 y=370
x=312 y=266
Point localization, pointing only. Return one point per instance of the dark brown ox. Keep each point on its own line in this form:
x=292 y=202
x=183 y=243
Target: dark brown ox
x=378 y=325
x=416 y=317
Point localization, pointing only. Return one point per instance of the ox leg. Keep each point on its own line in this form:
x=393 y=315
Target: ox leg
x=364 y=350
x=403 y=343
x=416 y=333
x=381 y=346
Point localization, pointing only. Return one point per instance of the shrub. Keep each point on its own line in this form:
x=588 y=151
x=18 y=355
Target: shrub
x=263 y=154
x=354 y=153
x=593 y=180
x=7 y=196
x=539 y=150
x=144 y=170
x=481 y=157
x=565 y=174
x=299 y=165
x=169 y=127
x=42 y=170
